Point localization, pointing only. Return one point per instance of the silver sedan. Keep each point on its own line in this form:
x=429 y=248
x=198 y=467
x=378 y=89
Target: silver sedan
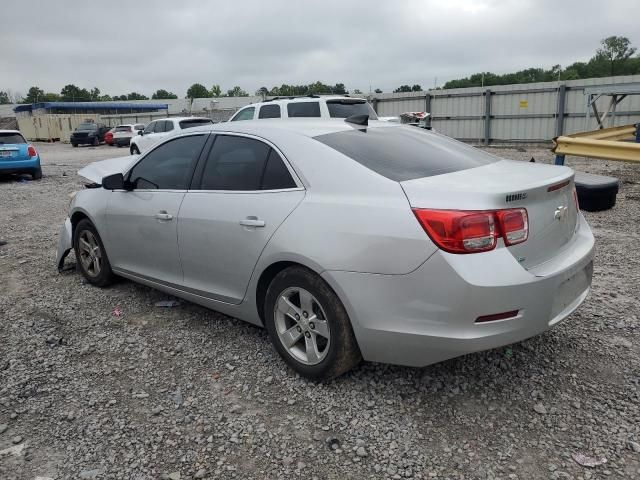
x=345 y=240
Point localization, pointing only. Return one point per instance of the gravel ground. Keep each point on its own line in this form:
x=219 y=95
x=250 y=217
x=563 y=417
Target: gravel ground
x=184 y=392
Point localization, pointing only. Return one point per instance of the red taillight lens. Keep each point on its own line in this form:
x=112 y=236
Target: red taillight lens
x=460 y=231
x=514 y=225
x=31 y=151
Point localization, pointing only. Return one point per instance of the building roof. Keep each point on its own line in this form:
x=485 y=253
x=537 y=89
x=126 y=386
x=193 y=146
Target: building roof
x=140 y=107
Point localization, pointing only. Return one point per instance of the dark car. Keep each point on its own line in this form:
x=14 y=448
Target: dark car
x=88 y=134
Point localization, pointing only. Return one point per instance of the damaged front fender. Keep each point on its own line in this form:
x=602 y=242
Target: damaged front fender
x=65 y=244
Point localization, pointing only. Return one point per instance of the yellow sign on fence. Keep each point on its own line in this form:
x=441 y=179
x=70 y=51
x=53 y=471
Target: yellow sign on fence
x=524 y=103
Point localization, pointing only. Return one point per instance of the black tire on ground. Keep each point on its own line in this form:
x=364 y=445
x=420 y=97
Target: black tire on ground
x=596 y=192
x=37 y=174
x=105 y=276
x=134 y=150
x=74 y=145
x=96 y=141
x=343 y=352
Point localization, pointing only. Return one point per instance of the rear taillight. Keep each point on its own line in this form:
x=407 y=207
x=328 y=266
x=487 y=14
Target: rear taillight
x=31 y=151
x=463 y=231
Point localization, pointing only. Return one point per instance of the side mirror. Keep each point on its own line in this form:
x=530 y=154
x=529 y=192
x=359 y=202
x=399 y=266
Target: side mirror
x=141 y=132
x=113 y=182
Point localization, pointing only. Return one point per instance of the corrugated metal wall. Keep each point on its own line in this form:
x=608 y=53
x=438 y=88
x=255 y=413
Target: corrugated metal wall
x=518 y=113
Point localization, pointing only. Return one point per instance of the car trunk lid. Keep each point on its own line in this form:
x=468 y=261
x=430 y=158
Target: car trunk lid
x=545 y=191
x=17 y=151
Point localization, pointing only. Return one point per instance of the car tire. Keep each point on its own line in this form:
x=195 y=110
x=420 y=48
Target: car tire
x=37 y=174
x=320 y=349
x=74 y=145
x=91 y=257
x=96 y=141
x=134 y=150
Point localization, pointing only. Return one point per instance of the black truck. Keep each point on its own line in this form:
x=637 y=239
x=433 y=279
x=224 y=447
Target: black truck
x=88 y=133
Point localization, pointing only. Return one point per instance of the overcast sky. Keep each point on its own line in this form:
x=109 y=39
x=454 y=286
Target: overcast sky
x=142 y=46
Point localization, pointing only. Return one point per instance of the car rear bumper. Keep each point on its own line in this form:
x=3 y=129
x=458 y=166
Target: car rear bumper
x=65 y=244
x=429 y=315
x=19 y=166
x=122 y=142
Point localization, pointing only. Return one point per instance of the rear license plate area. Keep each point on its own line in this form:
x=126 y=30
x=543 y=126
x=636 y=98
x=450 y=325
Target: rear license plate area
x=5 y=153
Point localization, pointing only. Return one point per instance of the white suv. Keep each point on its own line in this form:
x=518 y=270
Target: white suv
x=158 y=129
x=311 y=106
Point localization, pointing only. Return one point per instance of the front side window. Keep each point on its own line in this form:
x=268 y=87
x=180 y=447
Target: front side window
x=269 y=111
x=303 y=109
x=246 y=114
x=168 y=125
x=168 y=167
x=150 y=128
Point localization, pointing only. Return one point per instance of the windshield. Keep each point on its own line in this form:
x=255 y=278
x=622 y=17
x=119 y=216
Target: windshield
x=86 y=126
x=343 y=108
x=403 y=153
x=123 y=128
x=196 y=122
x=7 y=138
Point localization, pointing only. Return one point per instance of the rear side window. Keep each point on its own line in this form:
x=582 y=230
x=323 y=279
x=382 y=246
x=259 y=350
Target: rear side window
x=404 y=153
x=240 y=163
x=303 y=109
x=347 y=107
x=195 y=122
x=269 y=111
x=169 y=166
x=246 y=114
x=8 y=138
x=276 y=175
x=168 y=125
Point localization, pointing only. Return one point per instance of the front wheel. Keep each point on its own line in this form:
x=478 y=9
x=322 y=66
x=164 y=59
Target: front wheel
x=96 y=141
x=309 y=326
x=91 y=258
x=134 y=150
x=74 y=145
x=37 y=174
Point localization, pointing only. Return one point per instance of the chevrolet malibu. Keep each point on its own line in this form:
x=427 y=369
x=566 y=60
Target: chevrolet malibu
x=347 y=241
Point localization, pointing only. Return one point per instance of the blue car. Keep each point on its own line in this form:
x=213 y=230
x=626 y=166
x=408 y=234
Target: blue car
x=17 y=156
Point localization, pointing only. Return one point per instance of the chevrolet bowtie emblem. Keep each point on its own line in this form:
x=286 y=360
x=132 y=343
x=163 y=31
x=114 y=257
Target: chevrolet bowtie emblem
x=561 y=213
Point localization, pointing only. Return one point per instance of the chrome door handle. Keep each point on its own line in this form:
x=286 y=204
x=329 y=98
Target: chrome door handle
x=252 y=222
x=164 y=216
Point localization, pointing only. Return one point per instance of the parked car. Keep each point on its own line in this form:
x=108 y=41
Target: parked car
x=158 y=129
x=346 y=241
x=108 y=137
x=309 y=106
x=17 y=156
x=124 y=133
x=88 y=133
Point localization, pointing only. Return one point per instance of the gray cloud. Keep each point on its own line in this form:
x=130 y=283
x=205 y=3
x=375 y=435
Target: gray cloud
x=124 y=46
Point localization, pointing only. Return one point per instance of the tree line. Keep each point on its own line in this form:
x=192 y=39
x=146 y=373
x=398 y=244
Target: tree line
x=614 y=57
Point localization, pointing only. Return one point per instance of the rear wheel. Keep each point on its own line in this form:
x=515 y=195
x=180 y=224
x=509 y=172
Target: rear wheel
x=96 y=141
x=74 y=145
x=134 y=150
x=91 y=258
x=37 y=174
x=309 y=326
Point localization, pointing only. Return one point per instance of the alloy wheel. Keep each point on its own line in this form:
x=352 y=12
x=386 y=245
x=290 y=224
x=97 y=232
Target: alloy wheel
x=90 y=253
x=301 y=325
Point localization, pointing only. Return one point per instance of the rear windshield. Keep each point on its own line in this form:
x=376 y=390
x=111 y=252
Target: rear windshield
x=123 y=128
x=87 y=126
x=196 y=122
x=404 y=153
x=345 y=108
x=10 y=138
x=303 y=109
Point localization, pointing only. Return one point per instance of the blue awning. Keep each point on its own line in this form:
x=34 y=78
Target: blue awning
x=139 y=107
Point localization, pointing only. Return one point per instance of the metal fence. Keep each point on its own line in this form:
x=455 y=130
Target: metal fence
x=534 y=112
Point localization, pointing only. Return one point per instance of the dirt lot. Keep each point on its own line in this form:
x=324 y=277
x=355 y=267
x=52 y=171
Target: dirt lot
x=184 y=392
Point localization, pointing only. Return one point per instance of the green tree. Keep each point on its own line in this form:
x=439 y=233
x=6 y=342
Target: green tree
x=339 y=89
x=416 y=88
x=4 y=98
x=197 y=90
x=402 y=89
x=357 y=91
x=237 y=92
x=216 y=91
x=377 y=90
x=262 y=92
x=34 y=95
x=71 y=93
x=136 y=96
x=95 y=94
x=162 y=94
x=616 y=51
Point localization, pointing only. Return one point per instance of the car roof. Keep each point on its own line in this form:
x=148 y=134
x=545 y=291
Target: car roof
x=178 y=119
x=308 y=127
x=308 y=98
x=10 y=131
